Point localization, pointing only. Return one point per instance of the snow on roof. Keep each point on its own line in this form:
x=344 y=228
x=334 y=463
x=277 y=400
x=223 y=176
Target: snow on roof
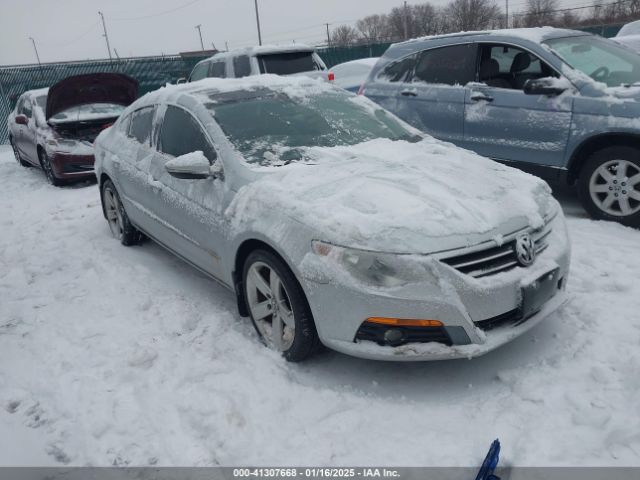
x=297 y=86
x=38 y=92
x=263 y=50
x=535 y=34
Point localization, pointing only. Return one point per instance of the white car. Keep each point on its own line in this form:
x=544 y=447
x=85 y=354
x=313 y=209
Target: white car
x=278 y=60
x=351 y=75
x=333 y=221
x=629 y=35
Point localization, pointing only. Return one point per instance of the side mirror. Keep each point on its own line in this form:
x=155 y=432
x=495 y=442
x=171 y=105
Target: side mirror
x=545 y=86
x=193 y=166
x=22 y=119
x=181 y=80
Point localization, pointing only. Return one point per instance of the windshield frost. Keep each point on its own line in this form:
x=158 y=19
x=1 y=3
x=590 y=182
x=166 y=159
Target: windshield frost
x=273 y=129
x=602 y=60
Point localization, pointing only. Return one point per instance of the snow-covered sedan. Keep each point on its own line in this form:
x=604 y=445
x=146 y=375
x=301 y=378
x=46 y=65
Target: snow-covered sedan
x=54 y=128
x=333 y=221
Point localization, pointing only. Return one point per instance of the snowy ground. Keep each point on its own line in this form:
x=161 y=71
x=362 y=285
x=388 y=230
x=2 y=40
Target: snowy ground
x=114 y=355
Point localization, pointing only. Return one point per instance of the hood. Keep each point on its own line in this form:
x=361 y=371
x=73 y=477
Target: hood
x=398 y=197
x=79 y=90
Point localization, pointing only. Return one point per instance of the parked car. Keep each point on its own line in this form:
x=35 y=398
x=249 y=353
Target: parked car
x=629 y=35
x=279 y=60
x=351 y=75
x=54 y=128
x=333 y=221
x=558 y=103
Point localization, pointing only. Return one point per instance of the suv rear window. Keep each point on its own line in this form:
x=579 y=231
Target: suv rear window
x=287 y=63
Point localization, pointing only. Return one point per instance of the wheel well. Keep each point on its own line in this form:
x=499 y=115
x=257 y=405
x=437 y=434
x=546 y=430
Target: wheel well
x=593 y=144
x=103 y=178
x=243 y=252
x=39 y=150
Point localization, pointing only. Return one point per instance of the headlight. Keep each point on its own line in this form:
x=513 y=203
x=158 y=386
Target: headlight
x=374 y=268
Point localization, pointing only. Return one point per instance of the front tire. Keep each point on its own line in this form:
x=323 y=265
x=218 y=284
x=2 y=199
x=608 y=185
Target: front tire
x=45 y=162
x=278 y=307
x=121 y=228
x=609 y=185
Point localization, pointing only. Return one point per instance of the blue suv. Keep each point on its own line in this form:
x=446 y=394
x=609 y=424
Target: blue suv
x=561 y=104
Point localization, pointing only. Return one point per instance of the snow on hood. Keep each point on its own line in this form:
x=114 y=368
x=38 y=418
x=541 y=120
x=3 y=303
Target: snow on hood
x=398 y=196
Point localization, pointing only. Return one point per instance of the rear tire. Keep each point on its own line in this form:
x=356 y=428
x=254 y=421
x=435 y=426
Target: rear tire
x=121 y=228
x=45 y=163
x=278 y=307
x=16 y=154
x=609 y=185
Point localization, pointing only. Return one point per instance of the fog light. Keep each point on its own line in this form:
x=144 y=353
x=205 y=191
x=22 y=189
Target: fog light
x=394 y=336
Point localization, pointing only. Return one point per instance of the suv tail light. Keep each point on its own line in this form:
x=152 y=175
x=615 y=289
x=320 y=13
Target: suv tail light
x=331 y=76
x=361 y=90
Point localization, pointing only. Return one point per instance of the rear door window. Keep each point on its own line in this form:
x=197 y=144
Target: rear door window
x=141 y=123
x=454 y=65
x=181 y=134
x=399 y=71
x=218 y=70
x=242 y=66
x=287 y=63
x=199 y=72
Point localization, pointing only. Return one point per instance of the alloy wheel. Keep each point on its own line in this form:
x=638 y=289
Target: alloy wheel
x=615 y=188
x=114 y=215
x=270 y=306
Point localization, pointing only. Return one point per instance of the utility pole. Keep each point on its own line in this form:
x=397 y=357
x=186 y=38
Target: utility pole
x=506 y=17
x=406 y=29
x=226 y=46
x=328 y=36
x=200 y=33
x=258 y=23
x=36 y=50
x=106 y=36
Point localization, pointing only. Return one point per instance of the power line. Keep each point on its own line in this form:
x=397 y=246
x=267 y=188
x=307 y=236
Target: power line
x=175 y=9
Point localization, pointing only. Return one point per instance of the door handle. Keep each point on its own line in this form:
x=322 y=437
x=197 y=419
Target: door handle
x=408 y=93
x=477 y=96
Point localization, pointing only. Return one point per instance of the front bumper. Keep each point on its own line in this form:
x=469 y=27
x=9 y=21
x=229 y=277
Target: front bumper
x=70 y=166
x=461 y=302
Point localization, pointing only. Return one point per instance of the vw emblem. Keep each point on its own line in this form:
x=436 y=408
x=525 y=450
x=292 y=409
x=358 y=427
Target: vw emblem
x=525 y=249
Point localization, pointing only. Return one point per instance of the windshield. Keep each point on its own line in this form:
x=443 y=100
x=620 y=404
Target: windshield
x=272 y=128
x=287 y=63
x=602 y=60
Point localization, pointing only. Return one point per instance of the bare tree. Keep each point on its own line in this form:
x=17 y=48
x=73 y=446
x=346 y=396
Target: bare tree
x=427 y=19
x=344 y=35
x=540 y=13
x=373 y=28
x=465 y=15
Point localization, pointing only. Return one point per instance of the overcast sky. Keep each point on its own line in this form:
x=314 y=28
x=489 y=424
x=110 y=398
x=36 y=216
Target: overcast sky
x=71 y=29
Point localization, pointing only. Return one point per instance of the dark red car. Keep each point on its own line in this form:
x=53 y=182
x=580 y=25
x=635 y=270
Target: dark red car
x=54 y=128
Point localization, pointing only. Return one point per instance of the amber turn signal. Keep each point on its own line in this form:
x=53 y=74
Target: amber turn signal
x=402 y=322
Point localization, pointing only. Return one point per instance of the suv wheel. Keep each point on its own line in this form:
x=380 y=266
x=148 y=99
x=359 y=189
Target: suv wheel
x=609 y=185
x=278 y=307
x=121 y=228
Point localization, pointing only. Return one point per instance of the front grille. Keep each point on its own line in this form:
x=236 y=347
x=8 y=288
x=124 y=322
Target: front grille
x=489 y=259
x=375 y=333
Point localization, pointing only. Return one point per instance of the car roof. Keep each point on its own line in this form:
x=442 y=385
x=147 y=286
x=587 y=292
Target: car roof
x=203 y=90
x=260 y=50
